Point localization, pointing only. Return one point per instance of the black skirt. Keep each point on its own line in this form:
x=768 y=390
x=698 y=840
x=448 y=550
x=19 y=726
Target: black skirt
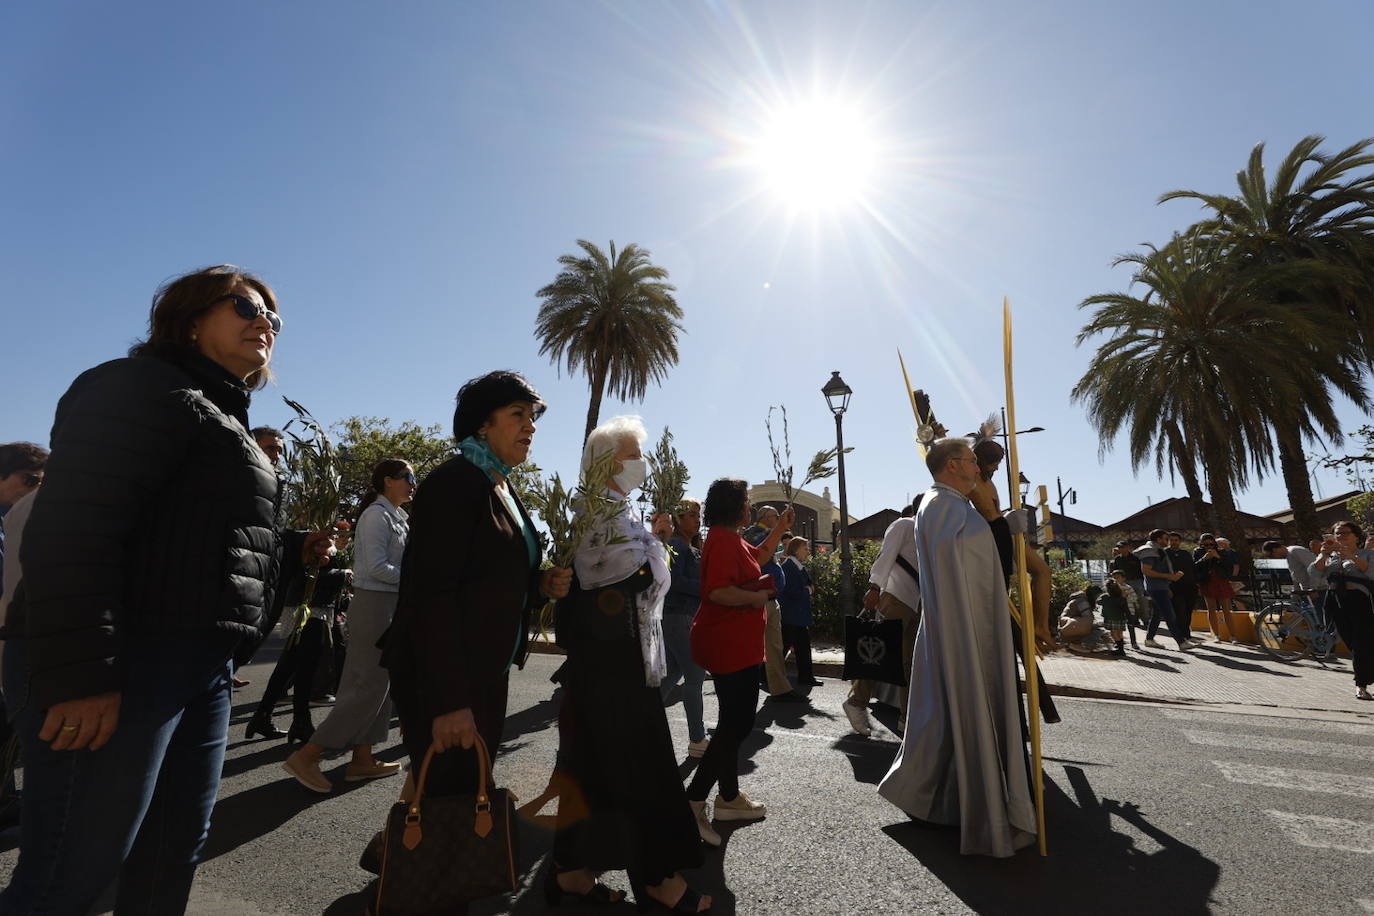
x=622 y=805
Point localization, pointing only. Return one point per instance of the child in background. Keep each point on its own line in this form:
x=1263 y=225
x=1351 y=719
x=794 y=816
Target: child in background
x=1133 y=618
x=1115 y=608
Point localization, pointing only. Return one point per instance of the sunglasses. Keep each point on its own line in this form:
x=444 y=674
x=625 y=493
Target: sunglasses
x=249 y=310
x=408 y=477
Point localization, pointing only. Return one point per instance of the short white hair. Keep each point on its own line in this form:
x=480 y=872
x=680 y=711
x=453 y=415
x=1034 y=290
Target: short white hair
x=608 y=436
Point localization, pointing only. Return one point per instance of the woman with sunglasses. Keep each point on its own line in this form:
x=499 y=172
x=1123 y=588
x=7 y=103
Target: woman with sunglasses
x=149 y=556
x=362 y=712
x=1349 y=572
x=1213 y=571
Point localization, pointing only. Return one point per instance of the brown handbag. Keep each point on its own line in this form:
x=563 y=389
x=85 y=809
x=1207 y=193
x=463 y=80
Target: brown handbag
x=438 y=854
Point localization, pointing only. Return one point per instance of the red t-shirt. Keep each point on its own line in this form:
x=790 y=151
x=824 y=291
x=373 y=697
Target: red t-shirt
x=727 y=639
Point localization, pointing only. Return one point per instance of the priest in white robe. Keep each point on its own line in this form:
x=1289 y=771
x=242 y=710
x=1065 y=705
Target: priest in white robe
x=963 y=760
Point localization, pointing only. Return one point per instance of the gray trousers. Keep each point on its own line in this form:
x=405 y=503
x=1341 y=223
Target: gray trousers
x=362 y=710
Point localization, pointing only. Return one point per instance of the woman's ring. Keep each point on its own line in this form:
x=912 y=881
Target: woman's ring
x=70 y=728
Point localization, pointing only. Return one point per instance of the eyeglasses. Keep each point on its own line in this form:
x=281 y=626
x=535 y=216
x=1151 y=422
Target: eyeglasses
x=32 y=480
x=408 y=477
x=249 y=310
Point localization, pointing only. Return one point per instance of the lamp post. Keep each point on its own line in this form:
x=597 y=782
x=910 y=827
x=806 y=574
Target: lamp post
x=1006 y=447
x=837 y=398
x=1072 y=496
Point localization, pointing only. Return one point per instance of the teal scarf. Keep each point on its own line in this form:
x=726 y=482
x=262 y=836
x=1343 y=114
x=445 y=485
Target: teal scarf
x=479 y=453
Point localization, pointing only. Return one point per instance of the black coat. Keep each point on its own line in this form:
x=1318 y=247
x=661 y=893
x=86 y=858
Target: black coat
x=156 y=515
x=466 y=593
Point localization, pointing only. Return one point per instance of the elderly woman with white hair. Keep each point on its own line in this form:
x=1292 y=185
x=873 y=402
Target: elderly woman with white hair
x=623 y=804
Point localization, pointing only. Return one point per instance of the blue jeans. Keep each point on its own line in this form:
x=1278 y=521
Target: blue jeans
x=1162 y=611
x=677 y=645
x=138 y=809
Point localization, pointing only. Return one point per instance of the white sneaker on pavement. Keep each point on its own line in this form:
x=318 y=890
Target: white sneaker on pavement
x=858 y=719
x=741 y=809
x=1152 y=644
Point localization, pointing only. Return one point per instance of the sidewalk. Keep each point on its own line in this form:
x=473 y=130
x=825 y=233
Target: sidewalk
x=1216 y=673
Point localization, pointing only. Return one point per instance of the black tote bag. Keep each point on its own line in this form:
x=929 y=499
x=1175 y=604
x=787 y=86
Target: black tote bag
x=873 y=650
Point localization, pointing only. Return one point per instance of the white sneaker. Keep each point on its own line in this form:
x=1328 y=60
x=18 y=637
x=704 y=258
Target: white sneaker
x=704 y=828
x=698 y=748
x=741 y=809
x=1195 y=642
x=1152 y=644
x=858 y=719
x=1186 y=646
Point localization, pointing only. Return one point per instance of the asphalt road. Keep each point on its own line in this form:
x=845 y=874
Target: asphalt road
x=1150 y=809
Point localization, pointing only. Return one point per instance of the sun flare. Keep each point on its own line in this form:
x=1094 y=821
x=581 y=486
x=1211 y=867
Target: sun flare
x=817 y=154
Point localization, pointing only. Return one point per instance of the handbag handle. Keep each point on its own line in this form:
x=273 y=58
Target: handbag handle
x=482 y=809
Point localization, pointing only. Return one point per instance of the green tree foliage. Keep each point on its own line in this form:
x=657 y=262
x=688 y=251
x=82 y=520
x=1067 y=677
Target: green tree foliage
x=365 y=441
x=1315 y=221
x=827 y=616
x=612 y=318
x=1361 y=510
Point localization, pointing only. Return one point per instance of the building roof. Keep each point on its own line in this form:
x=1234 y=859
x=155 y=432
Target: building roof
x=874 y=526
x=1329 y=510
x=1176 y=514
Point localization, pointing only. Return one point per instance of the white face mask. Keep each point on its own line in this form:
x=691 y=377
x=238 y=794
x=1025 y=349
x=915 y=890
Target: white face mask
x=634 y=472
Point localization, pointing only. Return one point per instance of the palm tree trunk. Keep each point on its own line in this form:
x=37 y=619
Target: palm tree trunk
x=1293 y=463
x=598 y=383
x=1224 y=503
x=1186 y=463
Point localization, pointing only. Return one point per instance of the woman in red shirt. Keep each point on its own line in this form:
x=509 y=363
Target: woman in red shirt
x=727 y=640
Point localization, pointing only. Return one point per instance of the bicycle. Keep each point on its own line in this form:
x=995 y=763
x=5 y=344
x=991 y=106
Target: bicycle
x=1292 y=628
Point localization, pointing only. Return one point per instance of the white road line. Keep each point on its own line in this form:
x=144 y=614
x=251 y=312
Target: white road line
x=1277 y=745
x=1316 y=725
x=879 y=737
x=1326 y=833
x=1299 y=780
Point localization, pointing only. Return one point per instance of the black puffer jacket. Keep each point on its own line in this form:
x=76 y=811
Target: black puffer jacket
x=157 y=515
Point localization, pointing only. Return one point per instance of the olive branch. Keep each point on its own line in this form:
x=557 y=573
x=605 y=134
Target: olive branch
x=668 y=476
x=821 y=466
x=315 y=475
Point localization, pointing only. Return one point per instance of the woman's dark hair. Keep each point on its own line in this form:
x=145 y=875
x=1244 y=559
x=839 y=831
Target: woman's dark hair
x=21 y=456
x=1356 y=529
x=1113 y=588
x=178 y=304
x=725 y=502
x=390 y=467
x=479 y=397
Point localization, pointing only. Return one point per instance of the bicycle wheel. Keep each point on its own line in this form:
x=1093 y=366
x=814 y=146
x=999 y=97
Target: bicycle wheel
x=1281 y=630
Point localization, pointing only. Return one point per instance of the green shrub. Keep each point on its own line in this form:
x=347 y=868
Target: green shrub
x=827 y=617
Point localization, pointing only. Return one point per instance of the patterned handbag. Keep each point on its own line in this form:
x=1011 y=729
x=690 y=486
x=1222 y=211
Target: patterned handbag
x=440 y=853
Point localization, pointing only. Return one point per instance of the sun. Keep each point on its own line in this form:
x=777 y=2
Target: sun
x=817 y=154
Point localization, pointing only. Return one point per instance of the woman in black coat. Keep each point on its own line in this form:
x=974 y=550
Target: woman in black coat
x=469 y=581
x=150 y=555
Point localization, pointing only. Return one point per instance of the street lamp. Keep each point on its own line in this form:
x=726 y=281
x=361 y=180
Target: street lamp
x=1072 y=496
x=837 y=397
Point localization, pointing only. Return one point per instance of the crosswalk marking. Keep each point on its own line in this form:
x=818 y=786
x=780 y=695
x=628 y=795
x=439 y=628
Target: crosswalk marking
x=1316 y=725
x=1326 y=832
x=1280 y=745
x=1300 y=780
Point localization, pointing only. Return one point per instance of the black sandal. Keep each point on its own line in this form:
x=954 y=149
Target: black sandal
x=685 y=906
x=599 y=895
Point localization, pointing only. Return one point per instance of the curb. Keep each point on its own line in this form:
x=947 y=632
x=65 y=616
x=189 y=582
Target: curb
x=835 y=669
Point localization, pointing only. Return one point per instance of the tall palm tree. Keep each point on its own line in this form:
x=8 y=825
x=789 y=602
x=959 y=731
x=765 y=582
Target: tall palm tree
x=1176 y=369
x=1319 y=225
x=614 y=319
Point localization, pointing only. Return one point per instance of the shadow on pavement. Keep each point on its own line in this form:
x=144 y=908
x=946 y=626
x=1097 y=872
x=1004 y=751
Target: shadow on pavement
x=1092 y=868
x=869 y=759
x=1225 y=659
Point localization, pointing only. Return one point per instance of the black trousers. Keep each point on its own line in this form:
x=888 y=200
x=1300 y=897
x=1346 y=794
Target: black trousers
x=454 y=772
x=1185 y=599
x=1162 y=611
x=798 y=639
x=737 y=693
x=297 y=664
x=1353 y=615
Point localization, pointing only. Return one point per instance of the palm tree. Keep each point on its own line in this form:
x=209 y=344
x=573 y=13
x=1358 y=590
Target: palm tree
x=1176 y=370
x=1320 y=227
x=614 y=319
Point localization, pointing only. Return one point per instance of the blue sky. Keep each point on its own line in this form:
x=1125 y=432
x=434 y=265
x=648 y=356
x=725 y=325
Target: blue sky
x=405 y=176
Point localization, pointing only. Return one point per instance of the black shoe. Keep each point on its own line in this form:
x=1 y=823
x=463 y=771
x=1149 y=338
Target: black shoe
x=599 y=895
x=300 y=732
x=810 y=682
x=1119 y=652
x=262 y=725
x=9 y=812
x=790 y=696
